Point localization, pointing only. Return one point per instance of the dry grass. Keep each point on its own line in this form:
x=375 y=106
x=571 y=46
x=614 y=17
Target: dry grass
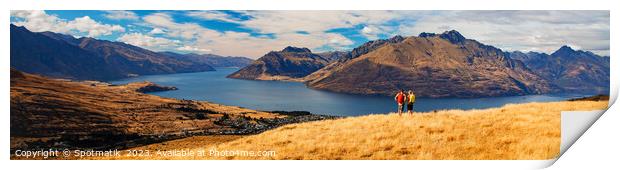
x=268 y=77
x=180 y=144
x=520 y=131
x=516 y=131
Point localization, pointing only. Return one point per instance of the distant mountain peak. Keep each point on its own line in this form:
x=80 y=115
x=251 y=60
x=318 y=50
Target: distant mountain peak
x=564 y=51
x=453 y=36
x=452 y=32
x=427 y=34
x=566 y=48
x=296 y=49
x=20 y=28
x=396 y=38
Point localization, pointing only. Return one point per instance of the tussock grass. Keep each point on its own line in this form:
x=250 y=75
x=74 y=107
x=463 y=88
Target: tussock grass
x=516 y=131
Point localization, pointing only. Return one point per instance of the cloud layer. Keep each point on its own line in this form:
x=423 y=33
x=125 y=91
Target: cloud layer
x=254 y=33
x=121 y=15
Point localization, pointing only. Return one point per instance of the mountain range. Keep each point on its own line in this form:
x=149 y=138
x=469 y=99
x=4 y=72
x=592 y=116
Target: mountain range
x=433 y=65
x=572 y=70
x=212 y=59
x=64 y=56
x=437 y=65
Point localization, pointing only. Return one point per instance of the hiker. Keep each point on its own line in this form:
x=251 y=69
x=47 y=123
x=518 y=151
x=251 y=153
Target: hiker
x=410 y=101
x=400 y=100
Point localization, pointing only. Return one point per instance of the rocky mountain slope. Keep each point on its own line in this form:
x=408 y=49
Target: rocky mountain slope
x=571 y=70
x=356 y=52
x=434 y=65
x=212 y=59
x=291 y=63
x=333 y=55
x=64 y=56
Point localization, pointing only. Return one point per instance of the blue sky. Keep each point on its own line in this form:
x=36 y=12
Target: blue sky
x=254 y=33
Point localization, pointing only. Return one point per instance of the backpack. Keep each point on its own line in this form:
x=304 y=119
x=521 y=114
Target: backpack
x=411 y=98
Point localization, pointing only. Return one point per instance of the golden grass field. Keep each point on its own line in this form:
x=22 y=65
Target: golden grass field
x=516 y=131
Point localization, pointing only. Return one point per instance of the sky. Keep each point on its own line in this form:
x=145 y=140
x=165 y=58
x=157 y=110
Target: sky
x=254 y=33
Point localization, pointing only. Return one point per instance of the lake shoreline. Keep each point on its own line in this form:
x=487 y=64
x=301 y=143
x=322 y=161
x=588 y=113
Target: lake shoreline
x=213 y=86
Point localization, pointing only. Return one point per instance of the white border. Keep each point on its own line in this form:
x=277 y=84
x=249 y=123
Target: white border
x=602 y=137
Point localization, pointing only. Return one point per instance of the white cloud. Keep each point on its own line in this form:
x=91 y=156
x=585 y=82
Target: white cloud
x=371 y=32
x=238 y=43
x=157 y=31
x=338 y=41
x=186 y=31
x=92 y=27
x=149 y=42
x=39 y=21
x=244 y=44
x=193 y=49
x=121 y=15
x=316 y=21
x=213 y=15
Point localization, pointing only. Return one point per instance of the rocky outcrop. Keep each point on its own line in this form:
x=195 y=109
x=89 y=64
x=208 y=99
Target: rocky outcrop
x=333 y=55
x=148 y=87
x=372 y=45
x=291 y=63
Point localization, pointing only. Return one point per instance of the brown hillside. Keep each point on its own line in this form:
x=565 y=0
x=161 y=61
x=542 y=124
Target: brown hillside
x=461 y=67
x=64 y=114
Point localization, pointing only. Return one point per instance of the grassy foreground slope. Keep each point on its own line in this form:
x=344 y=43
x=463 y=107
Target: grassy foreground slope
x=515 y=131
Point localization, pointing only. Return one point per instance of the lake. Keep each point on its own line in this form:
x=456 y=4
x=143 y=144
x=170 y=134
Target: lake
x=214 y=87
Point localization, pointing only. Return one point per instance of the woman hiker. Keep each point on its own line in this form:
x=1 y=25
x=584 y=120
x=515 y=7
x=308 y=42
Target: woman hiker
x=410 y=101
x=400 y=100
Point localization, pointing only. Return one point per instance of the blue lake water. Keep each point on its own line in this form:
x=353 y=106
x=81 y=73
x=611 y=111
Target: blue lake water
x=294 y=96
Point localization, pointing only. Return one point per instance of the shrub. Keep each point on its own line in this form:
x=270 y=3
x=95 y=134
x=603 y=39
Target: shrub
x=200 y=116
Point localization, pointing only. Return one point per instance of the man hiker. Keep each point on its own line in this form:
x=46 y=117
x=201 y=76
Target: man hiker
x=410 y=101
x=400 y=100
